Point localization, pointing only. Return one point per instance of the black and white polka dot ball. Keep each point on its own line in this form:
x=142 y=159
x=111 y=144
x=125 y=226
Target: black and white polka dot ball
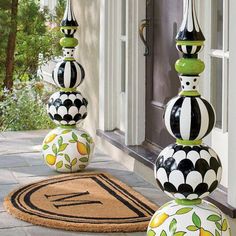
x=188 y=172
x=67 y=108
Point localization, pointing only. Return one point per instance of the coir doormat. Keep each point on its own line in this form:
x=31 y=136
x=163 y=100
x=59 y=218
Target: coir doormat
x=91 y=202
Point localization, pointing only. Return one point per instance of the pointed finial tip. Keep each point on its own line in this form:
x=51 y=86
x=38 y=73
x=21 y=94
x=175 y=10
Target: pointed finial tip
x=190 y=29
x=69 y=19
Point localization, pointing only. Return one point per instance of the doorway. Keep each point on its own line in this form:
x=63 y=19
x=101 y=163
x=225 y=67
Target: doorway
x=162 y=82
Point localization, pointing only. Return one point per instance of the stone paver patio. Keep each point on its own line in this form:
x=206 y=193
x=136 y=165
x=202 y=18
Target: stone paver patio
x=21 y=163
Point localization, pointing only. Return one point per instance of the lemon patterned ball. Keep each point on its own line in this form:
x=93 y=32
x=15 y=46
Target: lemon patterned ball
x=67 y=149
x=202 y=219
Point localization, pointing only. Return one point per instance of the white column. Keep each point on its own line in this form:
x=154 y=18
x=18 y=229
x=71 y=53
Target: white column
x=135 y=74
x=232 y=107
x=108 y=75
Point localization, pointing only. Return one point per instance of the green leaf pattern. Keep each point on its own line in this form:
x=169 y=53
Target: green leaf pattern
x=59 y=164
x=173 y=226
x=196 y=220
x=184 y=210
x=54 y=148
x=214 y=218
x=67 y=158
x=74 y=137
x=163 y=233
x=60 y=141
x=60 y=146
x=192 y=228
x=84 y=159
x=180 y=233
x=221 y=224
x=66 y=131
x=45 y=147
x=151 y=233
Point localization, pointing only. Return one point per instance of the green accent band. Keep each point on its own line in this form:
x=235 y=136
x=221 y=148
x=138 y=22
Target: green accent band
x=69 y=59
x=69 y=27
x=187 y=202
x=189 y=66
x=67 y=42
x=190 y=43
x=68 y=90
x=189 y=142
x=68 y=126
x=192 y=93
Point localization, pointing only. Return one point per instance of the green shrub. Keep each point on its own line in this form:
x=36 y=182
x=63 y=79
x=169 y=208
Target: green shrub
x=25 y=107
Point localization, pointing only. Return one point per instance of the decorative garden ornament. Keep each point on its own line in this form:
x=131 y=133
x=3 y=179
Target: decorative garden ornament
x=67 y=149
x=67 y=108
x=203 y=219
x=188 y=170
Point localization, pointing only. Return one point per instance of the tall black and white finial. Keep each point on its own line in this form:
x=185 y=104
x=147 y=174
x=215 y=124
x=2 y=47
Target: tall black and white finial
x=188 y=170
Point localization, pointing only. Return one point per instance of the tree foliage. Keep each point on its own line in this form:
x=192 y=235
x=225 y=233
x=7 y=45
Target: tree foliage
x=37 y=39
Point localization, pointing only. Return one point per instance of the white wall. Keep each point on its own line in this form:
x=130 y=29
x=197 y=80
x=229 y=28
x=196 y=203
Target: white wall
x=88 y=16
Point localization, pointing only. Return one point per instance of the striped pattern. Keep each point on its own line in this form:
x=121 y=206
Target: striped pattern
x=187 y=49
x=69 y=17
x=68 y=32
x=68 y=74
x=189 y=118
x=190 y=29
x=83 y=202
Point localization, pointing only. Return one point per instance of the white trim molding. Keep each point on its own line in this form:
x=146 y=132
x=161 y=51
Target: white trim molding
x=232 y=110
x=110 y=70
x=135 y=83
x=107 y=81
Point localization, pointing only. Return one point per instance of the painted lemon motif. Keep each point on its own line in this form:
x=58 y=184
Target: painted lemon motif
x=158 y=220
x=50 y=138
x=51 y=160
x=82 y=149
x=205 y=233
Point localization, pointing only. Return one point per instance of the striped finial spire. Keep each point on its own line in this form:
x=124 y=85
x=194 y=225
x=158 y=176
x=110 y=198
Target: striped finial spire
x=69 y=17
x=190 y=29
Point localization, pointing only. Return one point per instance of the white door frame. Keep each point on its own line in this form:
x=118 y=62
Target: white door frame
x=135 y=72
x=232 y=110
x=229 y=91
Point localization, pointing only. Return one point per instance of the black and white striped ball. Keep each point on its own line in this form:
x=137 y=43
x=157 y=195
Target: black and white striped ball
x=67 y=108
x=189 y=49
x=68 y=74
x=188 y=172
x=189 y=118
x=68 y=32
